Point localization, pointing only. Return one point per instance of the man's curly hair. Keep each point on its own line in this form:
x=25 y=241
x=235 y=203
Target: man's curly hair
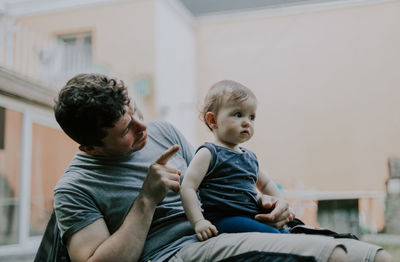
x=89 y=104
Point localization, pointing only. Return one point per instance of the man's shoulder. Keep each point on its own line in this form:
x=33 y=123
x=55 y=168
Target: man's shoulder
x=76 y=174
x=160 y=126
x=67 y=181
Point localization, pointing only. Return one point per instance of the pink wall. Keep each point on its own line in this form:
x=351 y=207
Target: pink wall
x=327 y=85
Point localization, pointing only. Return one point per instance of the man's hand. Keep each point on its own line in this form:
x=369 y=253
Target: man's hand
x=278 y=210
x=204 y=229
x=160 y=178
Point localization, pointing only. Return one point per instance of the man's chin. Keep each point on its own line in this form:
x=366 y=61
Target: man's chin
x=140 y=144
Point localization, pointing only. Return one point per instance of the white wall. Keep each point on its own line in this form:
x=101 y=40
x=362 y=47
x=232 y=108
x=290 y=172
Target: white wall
x=175 y=78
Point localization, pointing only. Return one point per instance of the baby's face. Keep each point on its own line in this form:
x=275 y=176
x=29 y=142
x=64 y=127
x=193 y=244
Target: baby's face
x=235 y=121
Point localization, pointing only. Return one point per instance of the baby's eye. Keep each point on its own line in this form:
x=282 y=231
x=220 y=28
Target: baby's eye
x=252 y=117
x=237 y=114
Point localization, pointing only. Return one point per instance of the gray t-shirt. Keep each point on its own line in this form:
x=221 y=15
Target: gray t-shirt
x=106 y=187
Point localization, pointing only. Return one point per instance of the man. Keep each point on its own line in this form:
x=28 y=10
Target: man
x=119 y=200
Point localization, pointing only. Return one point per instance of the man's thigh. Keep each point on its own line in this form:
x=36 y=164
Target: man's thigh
x=227 y=245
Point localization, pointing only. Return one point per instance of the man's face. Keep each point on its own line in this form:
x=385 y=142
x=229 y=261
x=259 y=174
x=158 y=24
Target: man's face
x=128 y=134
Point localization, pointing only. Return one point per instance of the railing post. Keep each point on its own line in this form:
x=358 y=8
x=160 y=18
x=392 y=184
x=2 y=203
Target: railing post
x=9 y=42
x=392 y=212
x=2 y=38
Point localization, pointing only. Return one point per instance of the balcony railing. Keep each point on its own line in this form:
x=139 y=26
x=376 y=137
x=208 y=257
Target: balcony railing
x=49 y=59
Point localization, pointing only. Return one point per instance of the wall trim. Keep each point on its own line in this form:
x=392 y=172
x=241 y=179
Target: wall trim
x=23 y=8
x=277 y=11
x=28 y=90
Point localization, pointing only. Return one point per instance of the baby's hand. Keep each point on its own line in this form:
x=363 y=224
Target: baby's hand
x=204 y=229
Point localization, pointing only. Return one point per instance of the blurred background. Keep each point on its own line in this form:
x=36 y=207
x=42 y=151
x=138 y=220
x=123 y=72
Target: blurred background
x=325 y=73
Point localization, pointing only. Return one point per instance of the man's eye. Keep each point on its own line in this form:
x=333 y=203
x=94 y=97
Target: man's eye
x=237 y=114
x=126 y=131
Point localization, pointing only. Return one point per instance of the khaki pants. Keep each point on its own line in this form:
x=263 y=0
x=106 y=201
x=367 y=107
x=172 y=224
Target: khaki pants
x=320 y=247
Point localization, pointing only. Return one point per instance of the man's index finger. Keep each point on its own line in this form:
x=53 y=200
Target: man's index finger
x=163 y=159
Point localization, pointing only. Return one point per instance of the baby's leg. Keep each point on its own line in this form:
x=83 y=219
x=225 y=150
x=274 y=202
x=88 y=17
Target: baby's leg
x=239 y=224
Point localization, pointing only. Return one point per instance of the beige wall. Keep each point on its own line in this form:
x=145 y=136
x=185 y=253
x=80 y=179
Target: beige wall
x=327 y=82
x=122 y=36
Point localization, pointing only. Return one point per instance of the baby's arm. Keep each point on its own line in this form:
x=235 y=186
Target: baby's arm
x=266 y=186
x=194 y=175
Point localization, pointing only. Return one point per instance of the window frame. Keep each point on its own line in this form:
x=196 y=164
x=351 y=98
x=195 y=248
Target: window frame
x=78 y=39
x=31 y=114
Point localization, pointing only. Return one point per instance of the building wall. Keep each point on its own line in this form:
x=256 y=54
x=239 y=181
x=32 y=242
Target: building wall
x=327 y=87
x=175 y=53
x=122 y=37
x=327 y=80
x=117 y=28
x=138 y=40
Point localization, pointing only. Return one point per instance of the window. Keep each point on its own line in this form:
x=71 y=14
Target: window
x=76 y=53
x=340 y=215
x=10 y=176
x=52 y=151
x=34 y=157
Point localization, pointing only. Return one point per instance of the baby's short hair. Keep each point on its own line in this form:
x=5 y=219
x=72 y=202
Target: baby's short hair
x=223 y=92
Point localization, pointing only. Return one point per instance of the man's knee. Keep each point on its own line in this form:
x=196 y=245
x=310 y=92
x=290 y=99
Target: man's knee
x=383 y=256
x=338 y=255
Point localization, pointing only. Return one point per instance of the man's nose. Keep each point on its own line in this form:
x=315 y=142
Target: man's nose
x=138 y=124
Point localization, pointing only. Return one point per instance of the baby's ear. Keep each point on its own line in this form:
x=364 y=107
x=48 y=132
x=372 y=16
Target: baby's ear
x=211 y=120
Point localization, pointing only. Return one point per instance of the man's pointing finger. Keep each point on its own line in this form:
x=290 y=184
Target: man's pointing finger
x=163 y=159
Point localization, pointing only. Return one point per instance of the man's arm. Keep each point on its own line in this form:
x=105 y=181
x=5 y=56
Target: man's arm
x=271 y=200
x=94 y=242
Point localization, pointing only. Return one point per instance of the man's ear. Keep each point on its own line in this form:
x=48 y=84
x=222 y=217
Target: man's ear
x=91 y=150
x=211 y=120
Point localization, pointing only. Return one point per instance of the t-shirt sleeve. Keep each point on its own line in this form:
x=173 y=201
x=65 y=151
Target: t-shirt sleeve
x=74 y=210
x=187 y=148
